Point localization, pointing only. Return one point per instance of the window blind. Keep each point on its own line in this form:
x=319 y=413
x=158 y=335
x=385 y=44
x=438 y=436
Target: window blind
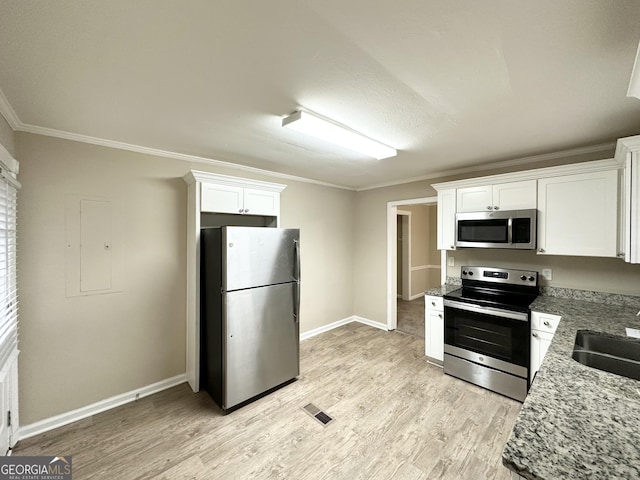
x=8 y=284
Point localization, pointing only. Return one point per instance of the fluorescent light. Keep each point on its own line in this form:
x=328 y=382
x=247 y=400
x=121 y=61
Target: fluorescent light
x=332 y=132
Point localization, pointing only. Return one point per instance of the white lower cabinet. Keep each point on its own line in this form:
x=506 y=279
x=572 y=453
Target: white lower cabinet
x=543 y=327
x=434 y=328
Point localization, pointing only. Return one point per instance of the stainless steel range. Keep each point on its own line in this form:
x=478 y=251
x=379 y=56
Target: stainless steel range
x=488 y=327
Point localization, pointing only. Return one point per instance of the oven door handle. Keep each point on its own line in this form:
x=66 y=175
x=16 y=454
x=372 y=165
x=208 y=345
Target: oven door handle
x=523 y=317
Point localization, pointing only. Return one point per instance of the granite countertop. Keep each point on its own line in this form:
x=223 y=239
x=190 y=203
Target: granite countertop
x=442 y=290
x=578 y=422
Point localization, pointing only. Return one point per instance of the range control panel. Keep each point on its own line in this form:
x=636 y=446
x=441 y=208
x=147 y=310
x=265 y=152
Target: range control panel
x=500 y=275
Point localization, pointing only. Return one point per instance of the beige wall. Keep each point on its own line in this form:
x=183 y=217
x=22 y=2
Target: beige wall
x=6 y=136
x=80 y=350
x=423 y=246
x=584 y=273
x=325 y=218
x=370 y=254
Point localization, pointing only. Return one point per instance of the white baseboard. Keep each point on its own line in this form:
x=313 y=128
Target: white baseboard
x=339 y=323
x=98 y=407
x=47 y=424
x=371 y=323
x=416 y=296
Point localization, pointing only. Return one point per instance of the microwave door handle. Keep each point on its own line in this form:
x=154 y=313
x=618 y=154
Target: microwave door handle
x=510 y=230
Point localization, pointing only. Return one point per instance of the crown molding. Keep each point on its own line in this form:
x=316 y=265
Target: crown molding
x=207 y=177
x=603 y=147
x=50 y=132
x=625 y=146
x=533 y=174
x=9 y=113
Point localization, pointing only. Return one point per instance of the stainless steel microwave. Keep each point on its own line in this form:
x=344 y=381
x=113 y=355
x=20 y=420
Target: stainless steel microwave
x=501 y=229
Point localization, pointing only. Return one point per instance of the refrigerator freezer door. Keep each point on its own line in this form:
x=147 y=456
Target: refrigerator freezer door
x=255 y=256
x=262 y=341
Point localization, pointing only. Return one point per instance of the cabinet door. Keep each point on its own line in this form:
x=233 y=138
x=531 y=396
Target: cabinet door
x=435 y=342
x=434 y=328
x=261 y=202
x=540 y=342
x=221 y=198
x=577 y=214
x=515 y=195
x=446 y=219
x=631 y=229
x=474 y=199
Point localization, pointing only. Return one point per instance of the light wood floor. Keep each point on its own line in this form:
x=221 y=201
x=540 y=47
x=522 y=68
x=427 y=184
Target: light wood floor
x=410 y=316
x=396 y=417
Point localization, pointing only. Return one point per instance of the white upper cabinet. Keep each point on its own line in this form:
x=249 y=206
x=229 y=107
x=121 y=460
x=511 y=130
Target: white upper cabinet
x=261 y=202
x=474 y=199
x=501 y=196
x=578 y=214
x=446 y=219
x=628 y=155
x=220 y=198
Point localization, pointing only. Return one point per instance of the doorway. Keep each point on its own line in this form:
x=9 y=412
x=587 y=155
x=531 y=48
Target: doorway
x=403 y=249
x=413 y=263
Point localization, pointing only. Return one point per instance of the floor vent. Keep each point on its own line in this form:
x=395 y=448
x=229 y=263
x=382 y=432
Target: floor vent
x=318 y=414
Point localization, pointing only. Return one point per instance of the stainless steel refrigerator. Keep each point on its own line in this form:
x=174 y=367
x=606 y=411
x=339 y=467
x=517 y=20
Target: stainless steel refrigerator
x=249 y=311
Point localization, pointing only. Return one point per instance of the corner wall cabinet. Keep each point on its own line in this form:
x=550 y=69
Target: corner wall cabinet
x=212 y=193
x=543 y=327
x=628 y=155
x=502 y=196
x=434 y=329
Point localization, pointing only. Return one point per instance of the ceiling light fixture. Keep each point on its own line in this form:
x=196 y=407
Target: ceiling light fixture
x=634 y=83
x=330 y=131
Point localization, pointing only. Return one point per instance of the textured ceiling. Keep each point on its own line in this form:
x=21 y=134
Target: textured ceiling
x=449 y=84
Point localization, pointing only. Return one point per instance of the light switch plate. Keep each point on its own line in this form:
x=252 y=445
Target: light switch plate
x=547 y=274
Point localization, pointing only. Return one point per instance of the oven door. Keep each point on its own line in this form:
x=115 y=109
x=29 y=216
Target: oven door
x=494 y=337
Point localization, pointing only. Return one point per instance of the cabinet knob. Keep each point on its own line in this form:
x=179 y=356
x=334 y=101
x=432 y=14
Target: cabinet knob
x=546 y=323
x=246 y=210
x=534 y=334
x=240 y=211
x=496 y=207
x=489 y=207
x=541 y=250
x=620 y=254
x=440 y=315
x=453 y=247
x=433 y=304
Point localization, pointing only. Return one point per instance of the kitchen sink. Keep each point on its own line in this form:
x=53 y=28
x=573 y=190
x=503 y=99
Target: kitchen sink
x=609 y=353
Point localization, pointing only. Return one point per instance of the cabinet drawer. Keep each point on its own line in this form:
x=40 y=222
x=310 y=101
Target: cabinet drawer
x=544 y=322
x=433 y=302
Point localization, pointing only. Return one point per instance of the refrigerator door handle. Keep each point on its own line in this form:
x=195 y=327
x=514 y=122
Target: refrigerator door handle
x=296 y=313
x=296 y=273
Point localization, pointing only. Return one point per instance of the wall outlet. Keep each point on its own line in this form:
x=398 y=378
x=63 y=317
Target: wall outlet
x=451 y=262
x=547 y=274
